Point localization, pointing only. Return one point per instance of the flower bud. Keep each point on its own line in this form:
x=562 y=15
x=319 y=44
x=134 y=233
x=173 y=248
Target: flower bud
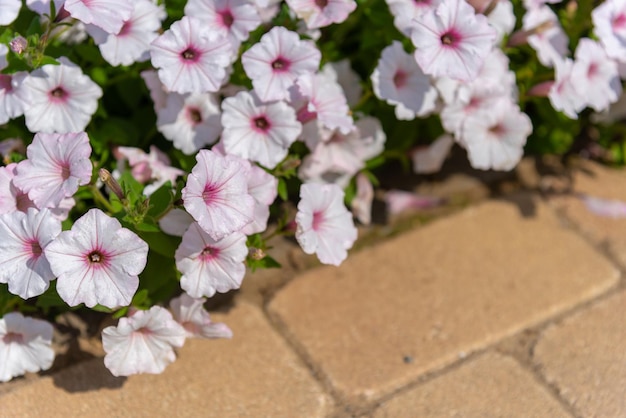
x=18 y=44
x=111 y=183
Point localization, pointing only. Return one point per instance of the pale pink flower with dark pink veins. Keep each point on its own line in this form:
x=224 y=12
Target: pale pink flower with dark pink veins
x=210 y=265
x=323 y=99
x=25 y=345
x=97 y=261
x=452 y=40
x=324 y=225
x=60 y=98
x=142 y=343
x=57 y=164
x=563 y=94
x=274 y=63
x=233 y=18
x=548 y=38
x=191 y=121
x=399 y=81
x=191 y=57
x=154 y=167
x=11 y=197
x=216 y=194
x=22 y=262
x=132 y=43
x=405 y=12
x=263 y=187
x=258 y=131
x=9 y=9
x=609 y=22
x=12 y=102
x=320 y=13
x=158 y=92
x=190 y=313
x=107 y=14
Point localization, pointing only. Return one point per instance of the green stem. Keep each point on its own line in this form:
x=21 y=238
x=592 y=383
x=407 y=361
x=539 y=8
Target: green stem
x=99 y=197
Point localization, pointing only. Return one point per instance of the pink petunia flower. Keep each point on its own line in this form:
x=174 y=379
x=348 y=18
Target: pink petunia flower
x=324 y=225
x=258 y=131
x=107 y=14
x=263 y=187
x=12 y=101
x=154 y=167
x=57 y=164
x=25 y=345
x=430 y=159
x=60 y=98
x=609 y=21
x=43 y=6
x=209 y=265
x=319 y=13
x=190 y=313
x=158 y=92
x=142 y=343
x=452 y=40
x=234 y=19
x=274 y=63
x=548 y=38
x=190 y=121
x=9 y=9
x=350 y=82
x=97 y=261
x=175 y=222
x=12 y=198
x=405 y=12
x=399 y=81
x=216 y=194
x=563 y=94
x=191 y=58
x=22 y=263
x=132 y=43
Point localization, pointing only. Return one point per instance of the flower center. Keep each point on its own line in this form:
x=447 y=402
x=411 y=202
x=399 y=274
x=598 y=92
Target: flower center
x=58 y=93
x=194 y=115
x=210 y=193
x=449 y=38
x=262 y=123
x=190 y=54
x=22 y=202
x=593 y=70
x=318 y=219
x=227 y=18
x=399 y=79
x=5 y=83
x=321 y=3
x=280 y=64
x=497 y=130
x=65 y=171
x=35 y=248
x=95 y=257
x=620 y=21
x=209 y=253
x=13 y=337
x=126 y=27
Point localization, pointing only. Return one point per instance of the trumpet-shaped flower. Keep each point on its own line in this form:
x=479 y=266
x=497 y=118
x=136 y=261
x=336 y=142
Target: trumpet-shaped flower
x=324 y=225
x=110 y=15
x=609 y=21
x=11 y=96
x=57 y=164
x=216 y=194
x=43 y=6
x=25 y=345
x=9 y=9
x=191 y=121
x=274 y=63
x=59 y=98
x=263 y=187
x=22 y=263
x=190 y=313
x=209 y=265
x=258 y=131
x=401 y=82
x=155 y=167
x=452 y=40
x=317 y=14
x=191 y=57
x=563 y=95
x=548 y=38
x=142 y=343
x=97 y=261
x=132 y=43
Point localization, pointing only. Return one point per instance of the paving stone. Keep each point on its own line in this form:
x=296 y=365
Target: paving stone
x=253 y=375
x=585 y=358
x=603 y=182
x=417 y=302
x=489 y=386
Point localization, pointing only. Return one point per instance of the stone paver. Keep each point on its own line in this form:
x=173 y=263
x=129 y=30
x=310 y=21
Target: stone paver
x=489 y=386
x=603 y=182
x=420 y=301
x=253 y=375
x=585 y=358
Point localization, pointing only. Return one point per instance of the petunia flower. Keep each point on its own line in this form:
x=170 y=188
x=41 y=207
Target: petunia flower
x=57 y=164
x=60 y=98
x=11 y=197
x=25 y=345
x=210 y=265
x=216 y=194
x=274 y=63
x=142 y=343
x=405 y=12
x=263 y=187
x=12 y=101
x=350 y=82
x=398 y=201
x=190 y=313
x=190 y=121
x=191 y=58
x=258 y=131
x=9 y=9
x=324 y=225
x=317 y=14
x=132 y=43
x=154 y=167
x=22 y=263
x=548 y=38
x=452 y=40
x=158 y=92
x=430 y=159
x=563 y=94
x=97 y=261
x=399 y=81
x=234 y=19
x=609 y=23
x=107 y=14
x=175 y=222
x=43 y=6
x=361 y=204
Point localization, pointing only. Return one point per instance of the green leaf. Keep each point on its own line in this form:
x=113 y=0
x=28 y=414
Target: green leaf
x=48 y=60
x=159 y=279
x=120 y=313
x=147 y=227
x=160 y=242
x=282 y=189
x=100 y=308
x=266 y=262
x=161 y=200
x=50 y=299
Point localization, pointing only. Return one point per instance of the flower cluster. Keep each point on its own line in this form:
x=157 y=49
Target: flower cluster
x=146 y=147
